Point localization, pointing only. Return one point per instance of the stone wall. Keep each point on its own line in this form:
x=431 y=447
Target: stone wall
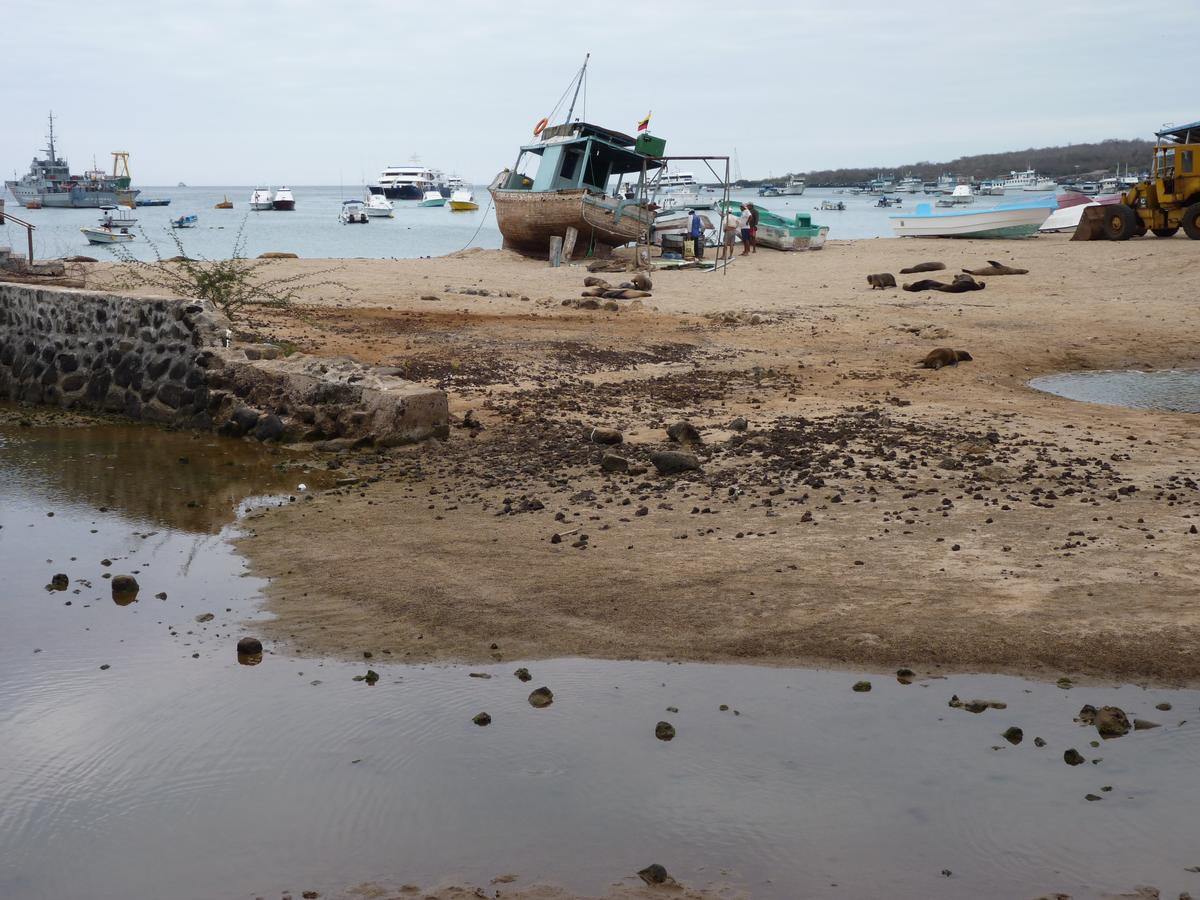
x=169 y=361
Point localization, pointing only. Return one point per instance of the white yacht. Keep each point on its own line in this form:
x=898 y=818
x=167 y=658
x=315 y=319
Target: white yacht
x=994 y=188
x=283 y=200
x=960 y=196
x=262 y=198
x=880 y=185
x=1028 y=181
x=407 y=182
x=794 y=188
x=680 y=190
x=380 y=207
x=910 y=184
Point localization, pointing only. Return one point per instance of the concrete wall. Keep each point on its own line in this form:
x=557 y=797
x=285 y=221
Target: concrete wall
x=167 y=361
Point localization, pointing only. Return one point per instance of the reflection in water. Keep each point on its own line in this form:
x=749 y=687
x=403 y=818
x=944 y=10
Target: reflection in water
x=138 y=748
x=188 y=481
x=1171 y=390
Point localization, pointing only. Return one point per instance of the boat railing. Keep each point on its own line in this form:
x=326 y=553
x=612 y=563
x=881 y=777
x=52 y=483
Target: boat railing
x=28 y=226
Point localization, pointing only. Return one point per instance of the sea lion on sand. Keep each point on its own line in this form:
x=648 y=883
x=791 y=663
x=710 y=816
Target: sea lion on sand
x=995 y=268
x=924 y=267
x=642 y=282
x=882 y=280
x=960 y=285
x=626 y=294
x=593 y=281
x=944 y=356
x=596 y=291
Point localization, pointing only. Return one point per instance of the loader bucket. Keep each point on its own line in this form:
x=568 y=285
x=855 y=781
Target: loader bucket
x=1090 y=227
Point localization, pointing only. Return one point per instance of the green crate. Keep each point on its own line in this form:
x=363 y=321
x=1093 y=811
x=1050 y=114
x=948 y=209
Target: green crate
x=650 y=145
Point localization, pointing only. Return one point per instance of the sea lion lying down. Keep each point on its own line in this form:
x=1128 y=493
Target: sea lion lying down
x=610 y=293
x=882 y=280
x=960 y=285
x=924 y=267
x=944 y=356
x=995 y=268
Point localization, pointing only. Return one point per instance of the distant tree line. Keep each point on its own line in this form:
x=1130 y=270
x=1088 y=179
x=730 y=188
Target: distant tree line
x=1056 y=162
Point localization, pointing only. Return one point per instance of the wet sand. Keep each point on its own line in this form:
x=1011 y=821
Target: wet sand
x=872 y=512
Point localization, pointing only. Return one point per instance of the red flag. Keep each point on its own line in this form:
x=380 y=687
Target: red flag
x=644 y=124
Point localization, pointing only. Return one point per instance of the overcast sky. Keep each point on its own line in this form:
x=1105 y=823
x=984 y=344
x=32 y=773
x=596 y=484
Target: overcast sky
x=240 y=91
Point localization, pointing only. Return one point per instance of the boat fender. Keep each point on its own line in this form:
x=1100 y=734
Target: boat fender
x=540 y=126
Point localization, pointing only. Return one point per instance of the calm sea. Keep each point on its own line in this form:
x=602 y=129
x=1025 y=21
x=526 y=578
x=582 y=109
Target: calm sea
x=313 y=229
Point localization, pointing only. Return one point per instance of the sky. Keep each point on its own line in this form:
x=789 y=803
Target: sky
x=234 y=92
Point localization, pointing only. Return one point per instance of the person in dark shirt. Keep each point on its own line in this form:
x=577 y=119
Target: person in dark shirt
x=696 y=232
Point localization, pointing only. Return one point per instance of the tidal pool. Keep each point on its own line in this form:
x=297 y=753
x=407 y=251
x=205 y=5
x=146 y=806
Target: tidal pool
x=178 y=772
x=1170 y=390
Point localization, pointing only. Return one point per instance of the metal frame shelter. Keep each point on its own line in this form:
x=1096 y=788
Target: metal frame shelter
x=644 y=193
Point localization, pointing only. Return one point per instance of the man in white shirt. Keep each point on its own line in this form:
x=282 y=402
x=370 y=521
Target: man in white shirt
x=743 y=224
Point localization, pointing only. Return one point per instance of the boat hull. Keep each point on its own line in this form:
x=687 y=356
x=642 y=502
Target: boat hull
x=463 y=205
x=528 y=219
x=159 y=203
x=101 y=236
x=380 y=213
x=1000 y=222
x=402 y=192
x=784 y=238
x=439 y=202
x=283 y=205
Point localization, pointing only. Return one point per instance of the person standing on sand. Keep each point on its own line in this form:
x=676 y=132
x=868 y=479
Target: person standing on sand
x=696 y=232
x=753 y=227
x=729 y=227
x=743 y=224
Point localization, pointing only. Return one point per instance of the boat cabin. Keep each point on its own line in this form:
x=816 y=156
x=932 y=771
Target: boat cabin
x=577 y=156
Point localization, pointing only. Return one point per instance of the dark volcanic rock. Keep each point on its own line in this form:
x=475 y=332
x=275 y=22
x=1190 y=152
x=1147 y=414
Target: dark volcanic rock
x=684 y=433
x=249 y=646
x=673 y=462
x=482 y=719
x=664 y=731
x=1014 y=735
x=269 y=428
x=124 y=586
x=606 y=436
x=1073 y=757
x=655 y=874
x=523 y=674
x=541 y=697
x=60 y=582
x=613 y=463
x=739 y=424
x=1112 y=722
x=862 y=686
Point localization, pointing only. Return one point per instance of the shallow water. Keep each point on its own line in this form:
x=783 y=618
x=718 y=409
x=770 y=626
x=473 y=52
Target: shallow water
x=180 y=772
x=1170 y=390
x=312 y=229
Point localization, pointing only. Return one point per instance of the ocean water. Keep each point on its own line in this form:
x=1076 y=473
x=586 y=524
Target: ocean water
x=313 y=229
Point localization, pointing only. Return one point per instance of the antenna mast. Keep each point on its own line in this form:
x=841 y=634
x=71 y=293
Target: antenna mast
x=50 y=138
x=578 y=84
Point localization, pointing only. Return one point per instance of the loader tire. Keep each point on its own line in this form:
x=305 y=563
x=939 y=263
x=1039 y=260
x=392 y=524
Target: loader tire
x=1191 y=221
x=1120 y=223
x=1165 y=232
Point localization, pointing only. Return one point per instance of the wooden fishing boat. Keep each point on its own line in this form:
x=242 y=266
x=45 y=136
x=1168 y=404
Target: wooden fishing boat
x=225 y=204
x=570 y=192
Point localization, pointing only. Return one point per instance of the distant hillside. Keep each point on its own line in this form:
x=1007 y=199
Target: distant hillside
x=1056 y=162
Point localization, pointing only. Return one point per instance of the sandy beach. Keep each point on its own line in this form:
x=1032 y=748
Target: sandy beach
x=871 y=511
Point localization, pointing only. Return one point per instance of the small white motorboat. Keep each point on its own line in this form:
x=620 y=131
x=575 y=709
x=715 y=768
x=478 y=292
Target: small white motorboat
x=432 y=198
x=1008 y=220
x=116 y=217
x=463 y=201
x=960 y=196
x=102 y=235
x=834 y=205
x=379 y=206
x=262 y=199
x=283 y=200
x=353 y=213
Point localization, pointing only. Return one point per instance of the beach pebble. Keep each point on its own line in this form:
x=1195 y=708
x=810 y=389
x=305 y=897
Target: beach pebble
x=664 y=731
x=1073 y=757
x=684 y=433
x=673 y=462
x=124 y=585
x=482 y=719
x=1111 y=722
x=655 y=874
x=60 y=582
x=862 y=686
x=606 y=436
x=523 y=674
x=249 y=646
x=541 y=697
x=1014 y=735
x=613 y=463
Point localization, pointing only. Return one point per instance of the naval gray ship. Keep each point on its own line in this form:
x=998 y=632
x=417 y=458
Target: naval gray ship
x=49 y=182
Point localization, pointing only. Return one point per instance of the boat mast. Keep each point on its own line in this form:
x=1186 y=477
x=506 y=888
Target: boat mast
x=50 y=138
x=578 y=85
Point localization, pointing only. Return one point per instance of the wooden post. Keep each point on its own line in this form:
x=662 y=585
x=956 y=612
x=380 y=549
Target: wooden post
x=556 y=244
x=568 y=246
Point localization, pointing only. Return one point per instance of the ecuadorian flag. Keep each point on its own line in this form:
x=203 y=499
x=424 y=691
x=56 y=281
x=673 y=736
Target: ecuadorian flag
x=644 y=123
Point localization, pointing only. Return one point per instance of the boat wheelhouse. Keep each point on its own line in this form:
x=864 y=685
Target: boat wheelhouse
x=563 y=181
x=794 y=187
x=910 y=184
